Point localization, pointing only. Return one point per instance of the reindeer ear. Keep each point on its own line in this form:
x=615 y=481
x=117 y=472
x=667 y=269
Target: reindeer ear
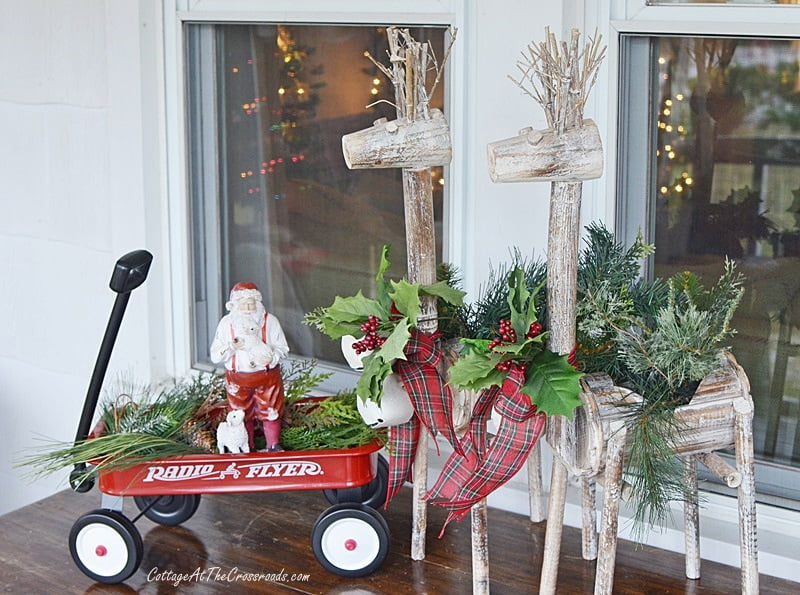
x=354 y=360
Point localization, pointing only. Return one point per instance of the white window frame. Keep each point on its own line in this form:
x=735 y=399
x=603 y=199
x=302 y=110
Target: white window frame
x=779 y=547
x=177 y=13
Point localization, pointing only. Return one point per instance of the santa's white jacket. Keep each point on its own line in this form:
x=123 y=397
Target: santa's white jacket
x=268 y=340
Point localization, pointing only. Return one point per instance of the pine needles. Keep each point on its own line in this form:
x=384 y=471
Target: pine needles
x=322 y=423
x=106 y=453
x=330 y=423
x=480 y=318
x=656 y=338
x=143 y=423
x=140 y=427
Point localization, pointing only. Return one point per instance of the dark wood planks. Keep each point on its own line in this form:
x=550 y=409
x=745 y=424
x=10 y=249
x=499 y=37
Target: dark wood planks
x=270 y=533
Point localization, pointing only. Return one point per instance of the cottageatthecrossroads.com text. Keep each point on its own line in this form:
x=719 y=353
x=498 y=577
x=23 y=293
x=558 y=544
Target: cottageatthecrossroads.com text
x=220 y=575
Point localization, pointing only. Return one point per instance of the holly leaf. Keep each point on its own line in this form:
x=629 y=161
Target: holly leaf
x=378 y=364
x=476 y=371
x=336 y=330
x=475 y=345
x=381 y=284
x=392 y=348
x=553 y=384
x=354 y=308
x=443 y=291
x=405 y=296
x=521 y=302
x=370 y=384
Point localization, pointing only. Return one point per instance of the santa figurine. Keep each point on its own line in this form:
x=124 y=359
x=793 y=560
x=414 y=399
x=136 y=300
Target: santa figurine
x=251 y=343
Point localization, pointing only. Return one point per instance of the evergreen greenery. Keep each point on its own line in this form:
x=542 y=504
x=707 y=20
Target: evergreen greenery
x=480 y=318
x=321 y=423
x=383 y=325
x=176 y=421
x=658 y=339
x=142 y=424
x=329 y=423
x=518 y=344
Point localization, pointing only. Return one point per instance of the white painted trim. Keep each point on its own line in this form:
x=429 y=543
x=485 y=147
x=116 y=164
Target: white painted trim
x=178 y=221
x=460 y=113
x=784 y=28
x=688 y=17
x=325 y=17
x=386 y=7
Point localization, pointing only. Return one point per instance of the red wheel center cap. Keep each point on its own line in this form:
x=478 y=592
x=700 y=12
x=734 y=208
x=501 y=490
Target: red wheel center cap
x=100 y=550
x=350 y=545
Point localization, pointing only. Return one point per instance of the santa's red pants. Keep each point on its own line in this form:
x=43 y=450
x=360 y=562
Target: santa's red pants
x=256 y=393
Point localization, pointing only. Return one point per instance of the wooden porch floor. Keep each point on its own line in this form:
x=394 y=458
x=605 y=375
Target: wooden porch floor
x=269 y=533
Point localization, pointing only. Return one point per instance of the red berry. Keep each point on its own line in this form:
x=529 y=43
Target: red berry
x=504 y=366
x=534 y=330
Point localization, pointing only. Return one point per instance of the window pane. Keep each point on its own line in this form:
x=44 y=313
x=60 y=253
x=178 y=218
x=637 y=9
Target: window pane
x=727 y=184
x=272 y=199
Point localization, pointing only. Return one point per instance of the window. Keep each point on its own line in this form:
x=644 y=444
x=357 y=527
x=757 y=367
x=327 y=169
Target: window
x=716 y=175
x=272 y=201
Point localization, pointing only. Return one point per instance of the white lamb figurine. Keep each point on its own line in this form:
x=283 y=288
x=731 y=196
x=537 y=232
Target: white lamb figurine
x=232 y=434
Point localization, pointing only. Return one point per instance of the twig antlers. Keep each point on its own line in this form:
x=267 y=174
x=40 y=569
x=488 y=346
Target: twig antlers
x=559 y=76
x=409 y=66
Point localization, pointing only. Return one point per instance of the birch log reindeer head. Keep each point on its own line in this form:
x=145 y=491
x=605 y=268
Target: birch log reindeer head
x=420 y=136
x=558 y=77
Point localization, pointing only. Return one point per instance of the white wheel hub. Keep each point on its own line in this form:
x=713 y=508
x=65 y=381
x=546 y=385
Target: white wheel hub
x=102 y=549
x=350 y=544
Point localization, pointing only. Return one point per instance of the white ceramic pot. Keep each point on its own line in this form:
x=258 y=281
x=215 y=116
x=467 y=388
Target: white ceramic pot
x=394 y=409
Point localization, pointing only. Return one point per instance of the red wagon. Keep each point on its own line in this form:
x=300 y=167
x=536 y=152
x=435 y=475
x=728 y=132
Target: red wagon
x=349 y=539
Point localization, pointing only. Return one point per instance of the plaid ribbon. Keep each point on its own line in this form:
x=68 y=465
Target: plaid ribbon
x=402 y=449
x=433 y=407
x=466 y=479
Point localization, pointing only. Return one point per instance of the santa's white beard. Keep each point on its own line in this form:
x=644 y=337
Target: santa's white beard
x=248 y=323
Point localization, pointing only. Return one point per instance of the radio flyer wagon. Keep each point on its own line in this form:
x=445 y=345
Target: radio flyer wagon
x=350 y=538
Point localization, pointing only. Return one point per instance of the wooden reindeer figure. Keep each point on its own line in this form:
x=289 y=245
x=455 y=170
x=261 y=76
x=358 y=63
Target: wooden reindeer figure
x=559 y=77
x=416 y=141
x=592 y=445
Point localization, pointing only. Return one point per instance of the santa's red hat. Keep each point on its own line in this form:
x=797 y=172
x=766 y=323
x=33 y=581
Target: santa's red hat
x=244 y=290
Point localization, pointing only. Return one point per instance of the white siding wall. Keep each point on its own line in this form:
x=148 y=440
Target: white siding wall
x=71 y=165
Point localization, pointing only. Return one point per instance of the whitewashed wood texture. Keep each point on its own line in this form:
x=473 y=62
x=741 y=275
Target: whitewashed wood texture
x=416 y=141
x=718 y=417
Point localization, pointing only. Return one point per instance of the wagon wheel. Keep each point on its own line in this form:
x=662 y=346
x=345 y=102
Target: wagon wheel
x=350 y=540
x=81 y=479
x=168 y=510
x=372 y=494
x=106 y=546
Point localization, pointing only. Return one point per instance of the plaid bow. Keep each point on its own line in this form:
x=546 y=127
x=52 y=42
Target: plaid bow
x=433 y=407
x=466 y=479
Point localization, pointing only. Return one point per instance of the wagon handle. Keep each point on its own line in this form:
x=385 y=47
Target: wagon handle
x=129 y=273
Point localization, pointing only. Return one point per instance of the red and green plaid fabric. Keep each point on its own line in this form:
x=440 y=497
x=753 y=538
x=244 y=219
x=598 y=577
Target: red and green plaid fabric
x=402 y=448
x=466 y=479
x=433 y=406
